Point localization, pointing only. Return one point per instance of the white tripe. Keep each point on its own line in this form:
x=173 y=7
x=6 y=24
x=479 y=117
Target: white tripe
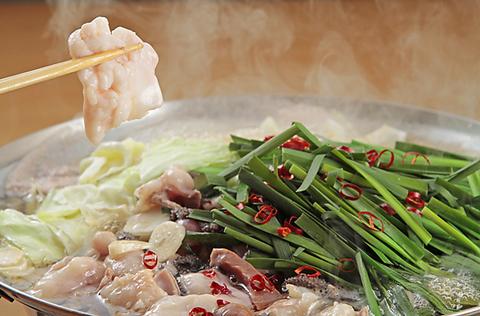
x=123 y=89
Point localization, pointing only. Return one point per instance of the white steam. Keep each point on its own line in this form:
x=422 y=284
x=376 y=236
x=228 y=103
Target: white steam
x=419 y=52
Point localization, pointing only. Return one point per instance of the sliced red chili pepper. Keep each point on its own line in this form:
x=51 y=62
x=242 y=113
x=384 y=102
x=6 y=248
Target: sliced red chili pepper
x=296 y=143
x=372 y=156
x=240 y=206
x=350 y=197
x=221 y=303
x=416 y=154
x=259 y=282
x=388 y=209
x=255 y=198
x=283 y=231
x=216 y=289
x=346 y=149
x=150 y=259
x=290 y=220
x=268 y=137
x=199 y=311
x=371 y=221
x=344 y=262
x=265 y=214
x=210 y=273
x=284 y=173
x=415 y=199
x=226 y=212
x=414 y=210
x=288 y=223
x=390 y=161
x=312 y=272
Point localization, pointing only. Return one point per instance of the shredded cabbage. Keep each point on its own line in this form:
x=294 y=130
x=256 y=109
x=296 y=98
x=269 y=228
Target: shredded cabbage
x=36 y=239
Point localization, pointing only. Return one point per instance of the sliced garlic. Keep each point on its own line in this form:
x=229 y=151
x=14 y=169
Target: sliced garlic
x=118 y=247
x=143 y=224
x=166 y=239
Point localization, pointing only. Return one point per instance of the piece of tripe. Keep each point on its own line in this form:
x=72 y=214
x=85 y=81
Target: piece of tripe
x=119 y=90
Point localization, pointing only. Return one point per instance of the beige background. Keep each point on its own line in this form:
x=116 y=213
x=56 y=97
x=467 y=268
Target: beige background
x=424 y=53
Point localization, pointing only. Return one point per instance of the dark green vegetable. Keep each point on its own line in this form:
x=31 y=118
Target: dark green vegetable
x=367 y=286
x=341 y=207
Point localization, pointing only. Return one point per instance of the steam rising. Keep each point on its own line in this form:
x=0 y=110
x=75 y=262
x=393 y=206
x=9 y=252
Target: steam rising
x=401 y=51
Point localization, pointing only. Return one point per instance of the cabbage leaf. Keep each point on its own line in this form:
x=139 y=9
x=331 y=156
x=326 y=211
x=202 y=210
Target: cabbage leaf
x=35 y=238
x=77 y=211
x=108 y=159
x=187 y=153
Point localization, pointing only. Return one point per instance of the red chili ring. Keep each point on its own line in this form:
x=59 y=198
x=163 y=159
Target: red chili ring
x=210 y=273
x=388 y=209
x=371 y=223
x=346 y=149
x=390 y=161
x=150 y=259
x=414 y=210
x=341 y=266
x=315 y=273
x=259 y=282
x=290 y=220
x=284 y=173
x=217 y=289
x=296 y=143
x=288 y=223
x=255 y=198
x=415 y=199
x=352 y=186
x=221 y=303
x=372 y=156
x=199 y=311
x=265 y=214
x=283 y=231
x=414 y=159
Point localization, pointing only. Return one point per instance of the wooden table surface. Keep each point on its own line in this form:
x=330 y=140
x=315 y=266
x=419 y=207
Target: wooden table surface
x=424 y=53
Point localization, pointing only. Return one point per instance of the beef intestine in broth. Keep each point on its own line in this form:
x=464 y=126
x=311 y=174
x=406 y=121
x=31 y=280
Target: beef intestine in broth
x=119 y=90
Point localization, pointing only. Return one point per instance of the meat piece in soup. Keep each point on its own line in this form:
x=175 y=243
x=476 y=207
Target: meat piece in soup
x=233 y=309
x=174 y=188
x=68 y=276
x=129 y=262
x=204 y=283
x=123 y=89
x=183 y=305
x=231 y=264
x=101 y=240
x=136 y=292
x=166 y=281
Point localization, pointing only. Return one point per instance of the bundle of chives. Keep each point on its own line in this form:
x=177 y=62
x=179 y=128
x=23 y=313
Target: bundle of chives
x=319 y=202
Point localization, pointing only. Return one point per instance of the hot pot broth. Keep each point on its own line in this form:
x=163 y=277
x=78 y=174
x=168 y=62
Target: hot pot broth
x=188 y=271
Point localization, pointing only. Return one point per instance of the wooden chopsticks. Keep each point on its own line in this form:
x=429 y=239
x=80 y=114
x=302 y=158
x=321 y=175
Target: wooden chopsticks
x=63 y=68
